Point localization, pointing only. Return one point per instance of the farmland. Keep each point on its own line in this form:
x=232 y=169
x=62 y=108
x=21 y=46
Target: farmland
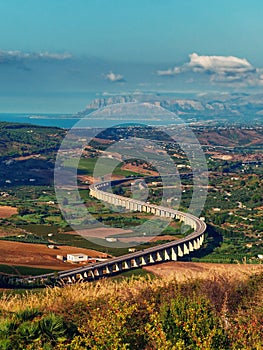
x=39 y=255
x=233 y=208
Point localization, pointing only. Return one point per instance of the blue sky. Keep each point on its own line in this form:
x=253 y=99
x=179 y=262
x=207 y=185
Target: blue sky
x=79 y=47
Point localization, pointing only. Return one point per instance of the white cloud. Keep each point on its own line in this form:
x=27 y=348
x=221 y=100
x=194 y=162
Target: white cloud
x=15 y=56
x=114 y=78
x=54 y=56
x=219 y=64
x=168 y=72
x=220 y=69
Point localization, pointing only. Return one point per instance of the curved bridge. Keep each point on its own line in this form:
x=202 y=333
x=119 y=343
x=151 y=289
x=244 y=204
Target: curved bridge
x=161 y=253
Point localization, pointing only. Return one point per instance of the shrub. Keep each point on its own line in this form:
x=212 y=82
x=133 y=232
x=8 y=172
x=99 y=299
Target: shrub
x=213 y=312
x=25 y=330
x=193 y=324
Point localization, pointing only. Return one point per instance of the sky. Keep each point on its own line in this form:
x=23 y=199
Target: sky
x=56 y=55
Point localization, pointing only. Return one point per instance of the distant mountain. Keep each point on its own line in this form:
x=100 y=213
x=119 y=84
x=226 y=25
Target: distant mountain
x=204 y=106
x=104 y=102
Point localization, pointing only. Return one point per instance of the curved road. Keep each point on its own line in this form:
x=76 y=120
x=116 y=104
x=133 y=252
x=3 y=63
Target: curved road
x=163 y=252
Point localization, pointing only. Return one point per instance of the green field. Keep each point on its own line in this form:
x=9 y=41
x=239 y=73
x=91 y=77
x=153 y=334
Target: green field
x=87 y=166
x=23 y=270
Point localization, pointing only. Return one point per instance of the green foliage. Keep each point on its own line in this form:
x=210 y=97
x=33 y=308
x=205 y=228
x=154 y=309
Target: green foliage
x=33 y=239
x=22 y=139
x=27 y=329
x=139 y=314
x=193 y=324
x=52 y=328
x=27 y=314
x=16 y=270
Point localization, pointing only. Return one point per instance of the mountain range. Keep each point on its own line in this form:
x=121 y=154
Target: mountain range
x=205 y=106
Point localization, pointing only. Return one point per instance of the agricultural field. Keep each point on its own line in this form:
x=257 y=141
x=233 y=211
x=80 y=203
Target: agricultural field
x=7 y=211
x=39 y=255
x=29 y=211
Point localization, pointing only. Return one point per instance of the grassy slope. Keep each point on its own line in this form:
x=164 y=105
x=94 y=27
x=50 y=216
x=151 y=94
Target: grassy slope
x=211 y=312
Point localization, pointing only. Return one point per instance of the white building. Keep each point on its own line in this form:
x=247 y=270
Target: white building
x=111 y=239
x=78 y=257
x=132 y=250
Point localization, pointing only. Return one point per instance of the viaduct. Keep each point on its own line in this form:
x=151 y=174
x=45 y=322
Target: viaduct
x=170 y=251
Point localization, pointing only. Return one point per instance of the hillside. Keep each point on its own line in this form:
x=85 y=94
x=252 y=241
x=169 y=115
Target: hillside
x=230 y=137
x=213 y=311
x=28 y=153
x=23 y=140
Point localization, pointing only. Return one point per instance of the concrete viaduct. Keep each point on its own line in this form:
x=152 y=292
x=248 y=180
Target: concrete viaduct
x=170 y=251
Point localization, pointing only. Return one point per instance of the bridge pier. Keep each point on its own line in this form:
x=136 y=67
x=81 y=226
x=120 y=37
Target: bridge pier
x=164 y=252
x=151 y=259
x=166 y=255
x=91 y=274
x=143 y=261
x=185 y=249
x=159 y=257
x=98 y=273
x=180 y=251
x=127 y=265
x=191 y=248
x=135 y=262
x=108 y=270
x=117 y=267
x=173 y=254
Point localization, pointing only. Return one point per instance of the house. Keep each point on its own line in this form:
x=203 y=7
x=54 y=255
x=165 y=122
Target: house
x=132 y=250
x=111 y=239
x=61 y=257
x=78 y=257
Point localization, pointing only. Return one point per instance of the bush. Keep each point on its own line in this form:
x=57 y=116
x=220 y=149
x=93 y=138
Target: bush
x=193 y=324
x=26 y=329
x=214 y=312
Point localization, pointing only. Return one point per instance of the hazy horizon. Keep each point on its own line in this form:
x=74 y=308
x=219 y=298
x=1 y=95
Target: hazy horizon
x=54 y=58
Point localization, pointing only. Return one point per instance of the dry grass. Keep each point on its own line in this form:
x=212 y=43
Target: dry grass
x=184 y=270
x=216 y=309
x=213 y=284
x=56 y=298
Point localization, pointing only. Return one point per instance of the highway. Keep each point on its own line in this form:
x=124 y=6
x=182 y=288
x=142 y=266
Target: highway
x=171 y=250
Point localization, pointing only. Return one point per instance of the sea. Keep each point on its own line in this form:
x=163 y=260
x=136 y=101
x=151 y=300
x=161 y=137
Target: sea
x=57 y=120
x=69 y=121
x=64 y=120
